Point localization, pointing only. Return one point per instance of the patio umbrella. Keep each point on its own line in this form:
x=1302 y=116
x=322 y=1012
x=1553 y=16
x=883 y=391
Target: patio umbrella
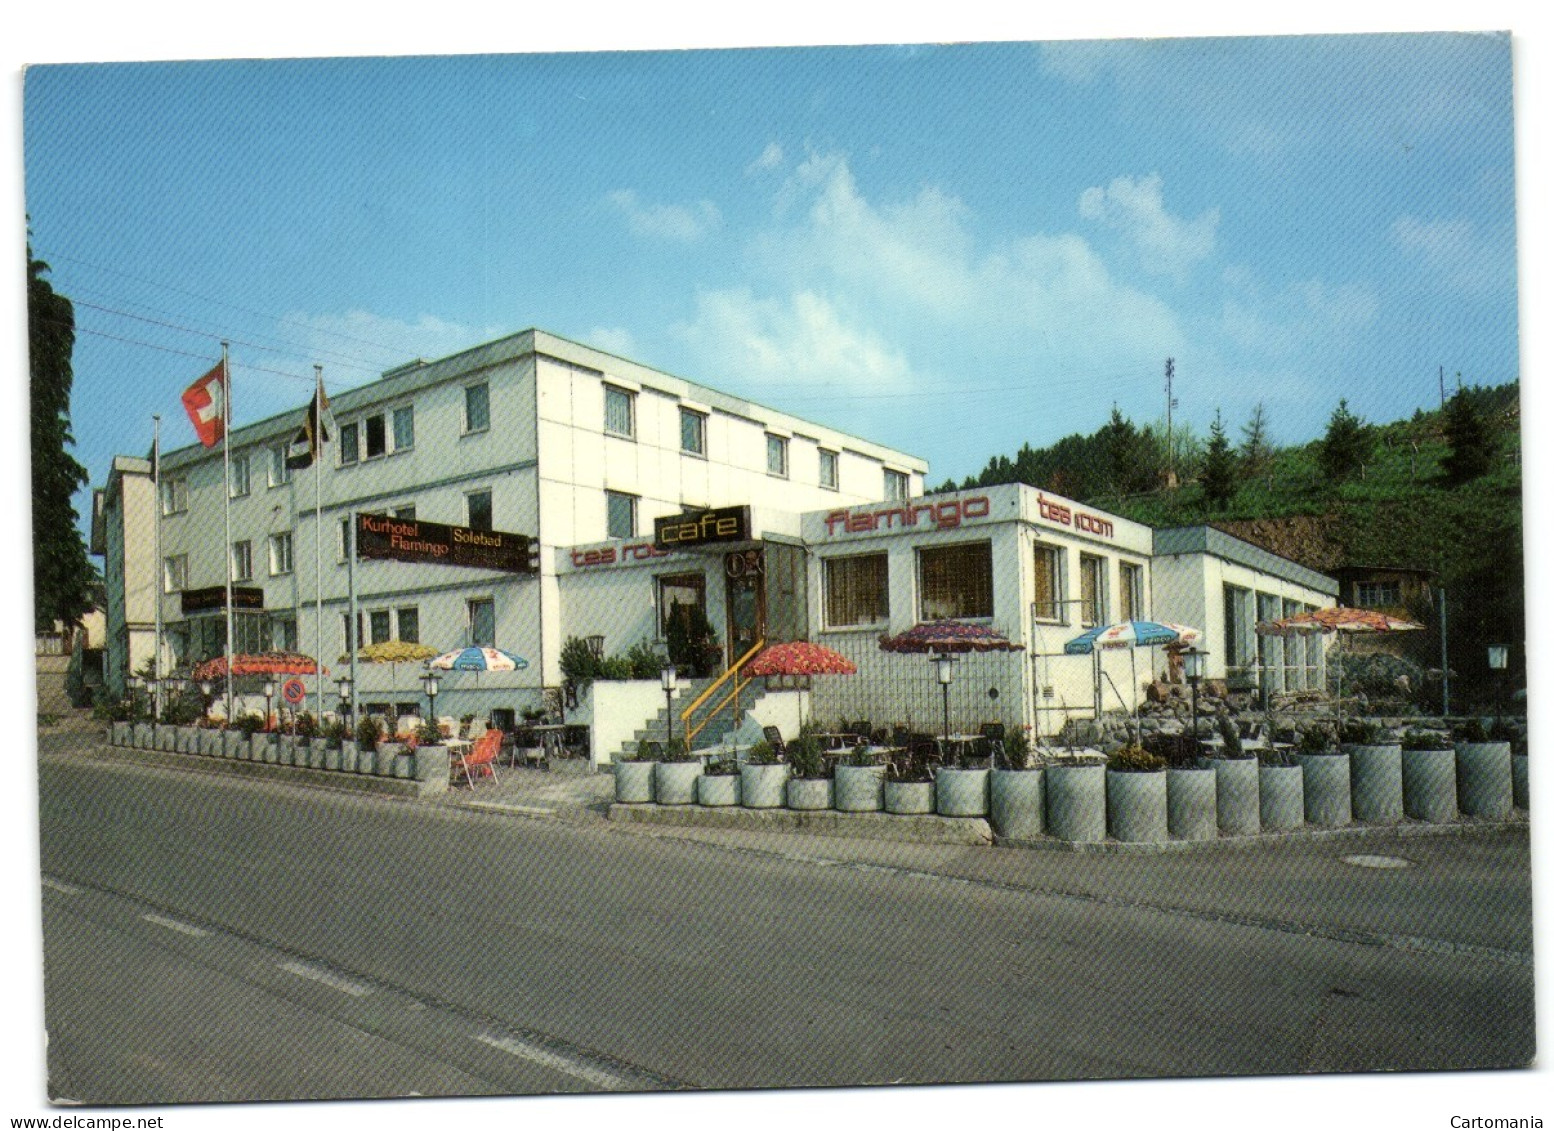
x=394 y=653
x=478 y=660
x=949 y=636
x=1336 y=620
x=256 y=663
x=796 y=657
x=1130 y=634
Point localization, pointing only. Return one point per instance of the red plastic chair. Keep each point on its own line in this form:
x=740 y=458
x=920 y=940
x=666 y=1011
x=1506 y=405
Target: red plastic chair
x=480 y=759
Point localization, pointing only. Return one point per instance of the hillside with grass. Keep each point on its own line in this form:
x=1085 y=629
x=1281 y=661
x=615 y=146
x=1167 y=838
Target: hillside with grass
x=1407 y=503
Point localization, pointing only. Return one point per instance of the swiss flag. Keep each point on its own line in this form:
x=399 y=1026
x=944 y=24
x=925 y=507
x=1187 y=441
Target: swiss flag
x=206 y=401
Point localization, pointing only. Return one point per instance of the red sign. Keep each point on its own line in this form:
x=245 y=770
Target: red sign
x=1079 y=520
x=612 y=556
x=294 y=692
x=416 y=540
x=942 y=516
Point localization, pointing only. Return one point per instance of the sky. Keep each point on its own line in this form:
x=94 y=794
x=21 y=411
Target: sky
x=951 y=250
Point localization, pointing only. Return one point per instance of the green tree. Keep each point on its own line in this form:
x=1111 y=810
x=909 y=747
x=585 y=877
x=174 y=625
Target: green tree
x=1131 y=455
x=62 y=574
x=1256 y=449
x=1219 y=468
x=1346 y=446
x=1469 y=438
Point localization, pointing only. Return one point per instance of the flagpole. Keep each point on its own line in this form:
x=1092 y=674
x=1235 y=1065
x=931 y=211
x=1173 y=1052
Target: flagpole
x=156 y=563
x=226 y=504
x=318 y=529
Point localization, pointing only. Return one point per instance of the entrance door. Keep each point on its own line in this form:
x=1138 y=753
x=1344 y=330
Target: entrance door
x=745 y=571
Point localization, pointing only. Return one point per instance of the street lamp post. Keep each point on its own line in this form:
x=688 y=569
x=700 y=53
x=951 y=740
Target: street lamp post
x=1499 y=658
x=670 y=679
x=344 y=683
x=429 y=681
x=944 y=668
x=206 y=687
x=1192 y=668
x=269 y=695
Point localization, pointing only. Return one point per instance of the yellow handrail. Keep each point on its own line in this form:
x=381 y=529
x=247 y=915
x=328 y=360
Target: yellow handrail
x=732 y=672
x=692 y=731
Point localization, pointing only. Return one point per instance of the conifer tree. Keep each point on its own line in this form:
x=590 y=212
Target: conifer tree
x=1468 y=436
x=1219 y=468
x=1346 y=446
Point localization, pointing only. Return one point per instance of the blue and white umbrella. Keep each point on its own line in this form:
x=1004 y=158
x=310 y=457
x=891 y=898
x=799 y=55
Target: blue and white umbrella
x=1131 y=634
x=478 y=660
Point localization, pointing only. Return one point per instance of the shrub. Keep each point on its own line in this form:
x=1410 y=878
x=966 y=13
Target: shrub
x=305 y=725
x=762 y=754
x=1180 y=751
x=806 y=757
x=724 y=765
x=428 y=734
x=911 y=764
x=1426 y=740
x=1135 y=760
x=675 y=751
x=613 y=667
x=1360 y=732
x=250 y=724
x=1316 y=740
x=335 y=732
x=578 y=662
x=1470 y=730
x=1017 y=748
x=1232 y=736
x=644 y=660
x=368 y=732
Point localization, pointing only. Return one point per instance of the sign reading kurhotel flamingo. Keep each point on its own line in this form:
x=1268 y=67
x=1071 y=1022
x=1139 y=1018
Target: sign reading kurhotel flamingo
x=413 y=540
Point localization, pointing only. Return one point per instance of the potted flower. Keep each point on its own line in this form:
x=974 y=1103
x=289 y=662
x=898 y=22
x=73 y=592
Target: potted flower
x=1324 y=777
x=859 y=782
x=1281 y=792
x=310 y=749
x=810 y=785
x=212 y=740
x=1015 y=795
x=1483 y=772
x=1136 y=795
x=1191 y=790
x=368 y=734
x=333 y=737
x=1236 y=797
x=1502 y=731
x=961 y=789
x=909 y=782
x=431 y=763
x=1076 y=800
x=718 y=786
x=1429 y=776
x=763 y=779
x=238 y=741
x=1375 y=771
x=674 y=781
x=634 y=775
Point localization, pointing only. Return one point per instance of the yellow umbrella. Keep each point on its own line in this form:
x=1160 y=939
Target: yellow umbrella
x=393 y=652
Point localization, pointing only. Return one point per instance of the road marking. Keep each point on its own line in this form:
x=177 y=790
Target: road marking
x=527 y=810
x=1366 y=861
x=63 y=889
x=326 y=977
x=174 y=925
x=571 y=1065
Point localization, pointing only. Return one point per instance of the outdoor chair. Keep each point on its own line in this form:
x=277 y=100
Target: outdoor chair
x=992 y=744
x=773 y=738
x=480 y=759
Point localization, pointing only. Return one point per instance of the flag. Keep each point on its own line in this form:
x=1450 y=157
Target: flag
x=206 y=401
x=313 y=434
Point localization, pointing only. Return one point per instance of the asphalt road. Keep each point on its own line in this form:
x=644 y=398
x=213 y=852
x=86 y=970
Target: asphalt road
x=218 y=939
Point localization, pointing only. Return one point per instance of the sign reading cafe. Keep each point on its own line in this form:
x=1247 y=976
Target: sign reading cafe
x=413 y=540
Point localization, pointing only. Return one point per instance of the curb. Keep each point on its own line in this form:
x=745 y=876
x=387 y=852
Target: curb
x=1406 y=830
x=266 y=771
x=921 y=829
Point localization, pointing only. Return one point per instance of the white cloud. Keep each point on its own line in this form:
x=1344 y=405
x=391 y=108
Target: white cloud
x=612 y=339
x=1166 y=244
x=1456 y=253
x=770 y=158
x=681 y=223
x=802 y=340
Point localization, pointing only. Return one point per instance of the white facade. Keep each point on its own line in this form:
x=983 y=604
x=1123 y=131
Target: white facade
x=122 y=518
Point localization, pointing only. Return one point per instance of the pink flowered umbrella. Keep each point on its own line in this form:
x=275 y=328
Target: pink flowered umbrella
x=800 y=657
x=949 y=636
x=1340 y=620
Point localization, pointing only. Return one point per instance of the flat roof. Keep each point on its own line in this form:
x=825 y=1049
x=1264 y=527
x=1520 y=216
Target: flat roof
x=1212 y=540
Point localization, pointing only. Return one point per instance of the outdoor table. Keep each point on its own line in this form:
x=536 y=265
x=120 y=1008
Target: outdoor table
x=552 y=737
x=961 y=743
x=834 y=740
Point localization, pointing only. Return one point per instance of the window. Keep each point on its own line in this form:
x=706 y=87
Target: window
x=175 y=573
x=175 y=496
x=681 y=597
x=345 y=628
x=1130 y=591
x=239 y=479
x=482 y=623
x=409 y=619
x=280 y=553
x=857 y=591
x=349 y=443
x=956 y=581
x=1048 y=603
x=1378 y=595
x=1239 y=641
x=619 y=412
x=345 y=537
x=897 y=485
x=1092 y=591
x=404 y=428
x=776 y=455
x=242 y=561
x=405 y=513
x=477 y=407
x=828 y=469
x=379 y=629
x=280 y=474
x=377 y=436
x=693 y=432
x=477 y=508
x=620 y=515
x=1270 y=649
x=283 y=636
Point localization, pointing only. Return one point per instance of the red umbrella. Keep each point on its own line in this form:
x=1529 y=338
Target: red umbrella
x=949 y=636
x=256 y=663
x=800 y=657
x=1336 y=620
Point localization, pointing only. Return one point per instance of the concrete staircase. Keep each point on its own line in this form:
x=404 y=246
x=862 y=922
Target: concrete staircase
x=656 y=729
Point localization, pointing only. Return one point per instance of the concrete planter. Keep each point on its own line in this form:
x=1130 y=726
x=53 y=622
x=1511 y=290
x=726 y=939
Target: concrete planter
x=1191 y=809
x=674 y=783
x=318 y=751
x=1519 y=795
x=167 y=738
x=1016 y=803
x=634 y=782
x=366 y=761
x=1281 y=797
x=860 y=789
x=234 y=744
x=261 y=748
x=143 y=736
x=404 y=765
x=188 y=740
x=810 y=793
x=908 y=797
x=431 y=763
x=384 y=758
x=1430 y=785
x=210 y=743
x=122 y=733
x=348 y=757
x=1236 y=801
x=717 y=791
x=1076 y=802
x=332 y=758
x=763 y=787
x=1325 y=779
x=1484 y=779
x=961 y=793
x=1136 y=806
x=1376 y=782
x=286 y=749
